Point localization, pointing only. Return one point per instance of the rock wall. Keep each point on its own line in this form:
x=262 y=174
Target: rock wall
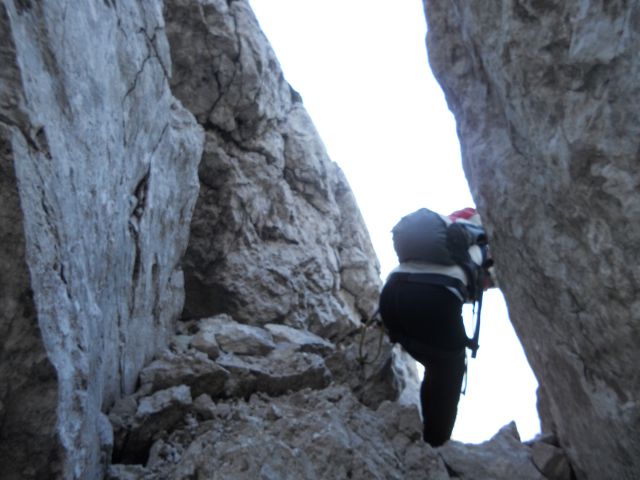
x=276 y=234
x=545 y=94
x=98 y=173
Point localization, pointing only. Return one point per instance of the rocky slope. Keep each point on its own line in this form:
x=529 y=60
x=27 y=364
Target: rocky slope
x=230 y=400
x=545 y=95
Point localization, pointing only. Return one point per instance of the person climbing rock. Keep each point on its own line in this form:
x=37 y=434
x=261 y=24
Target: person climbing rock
x=443 y=263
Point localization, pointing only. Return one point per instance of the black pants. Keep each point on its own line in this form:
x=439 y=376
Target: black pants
x=427 y=321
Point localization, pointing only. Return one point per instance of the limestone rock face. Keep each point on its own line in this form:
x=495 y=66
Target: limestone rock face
x=546 y=96
x=98 y=166
x=551 y=461
x=276 y=235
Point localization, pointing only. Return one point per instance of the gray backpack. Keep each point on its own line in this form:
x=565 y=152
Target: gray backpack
x=427 y=237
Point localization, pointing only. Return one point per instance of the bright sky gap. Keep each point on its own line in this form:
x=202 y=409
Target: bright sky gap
x=361 y=68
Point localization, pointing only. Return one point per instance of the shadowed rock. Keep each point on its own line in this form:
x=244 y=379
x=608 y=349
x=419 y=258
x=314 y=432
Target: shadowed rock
x=137 y=428
x=545 y=96
x=309 y=434
x=503 y=457
x=193 y=369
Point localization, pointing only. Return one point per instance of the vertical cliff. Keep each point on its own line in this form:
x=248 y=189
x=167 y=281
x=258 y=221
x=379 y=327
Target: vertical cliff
x=545 y=94
x=98 y=165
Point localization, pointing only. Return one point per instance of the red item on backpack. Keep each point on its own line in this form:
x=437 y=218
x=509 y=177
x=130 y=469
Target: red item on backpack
x=464 y=214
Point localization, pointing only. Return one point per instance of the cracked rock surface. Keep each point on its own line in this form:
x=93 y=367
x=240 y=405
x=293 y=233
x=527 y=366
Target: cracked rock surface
x=278 y=273
x=276 y=235
x=98 y=167
x=307 y=434
x=546 y=96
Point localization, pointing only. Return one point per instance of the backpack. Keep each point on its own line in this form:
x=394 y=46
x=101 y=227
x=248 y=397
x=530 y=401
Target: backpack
x=426 y=236
x=422 y=236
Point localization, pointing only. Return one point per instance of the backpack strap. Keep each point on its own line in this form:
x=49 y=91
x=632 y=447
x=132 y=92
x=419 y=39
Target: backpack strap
x=478 y=290
x=472 y=343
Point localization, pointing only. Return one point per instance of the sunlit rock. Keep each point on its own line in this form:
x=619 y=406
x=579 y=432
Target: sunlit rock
x=234 y=337
x=304 y=340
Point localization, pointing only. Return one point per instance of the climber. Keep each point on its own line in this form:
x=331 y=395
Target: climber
x=444 y=262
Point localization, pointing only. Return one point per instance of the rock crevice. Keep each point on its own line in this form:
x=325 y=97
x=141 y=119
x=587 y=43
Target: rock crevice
x=141 y=139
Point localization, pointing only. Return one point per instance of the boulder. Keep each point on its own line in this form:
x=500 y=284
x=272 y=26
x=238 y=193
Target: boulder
x=503 y=457
x=304 y=340
x=205 y=341
x=234 y=337
x=195 y=370
x=284 y=370
x=154 y=415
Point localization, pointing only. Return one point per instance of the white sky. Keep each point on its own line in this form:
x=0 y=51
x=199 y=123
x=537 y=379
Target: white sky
x=362 y=71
